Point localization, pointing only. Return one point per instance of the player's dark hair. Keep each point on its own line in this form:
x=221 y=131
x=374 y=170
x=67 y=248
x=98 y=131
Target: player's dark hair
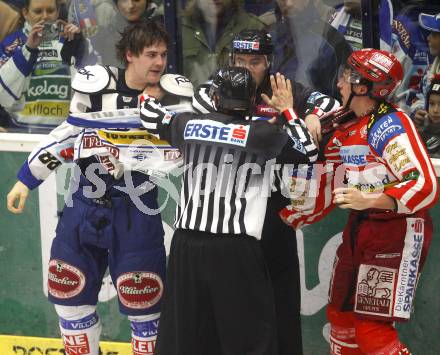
x=138 y=36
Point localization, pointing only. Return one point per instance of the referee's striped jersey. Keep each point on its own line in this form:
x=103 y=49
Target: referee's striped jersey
x=227 y=173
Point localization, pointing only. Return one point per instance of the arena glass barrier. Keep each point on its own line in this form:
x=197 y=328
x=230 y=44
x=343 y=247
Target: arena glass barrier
x=29 y=325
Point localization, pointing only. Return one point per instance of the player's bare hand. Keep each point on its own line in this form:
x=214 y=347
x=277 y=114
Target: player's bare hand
x=349 y=197
x=18 y=194
x=313 y=124
x=154 y=91
x=282 y=98
x=420 y=117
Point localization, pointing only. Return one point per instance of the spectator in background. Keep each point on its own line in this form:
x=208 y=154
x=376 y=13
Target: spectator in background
x=9 y=19
x=111 y=20
x=410 y=48
x=326 y=9
x=308 y=49
x=35 y=66
x=348 y=21
x=430 y=23
x=208 y=27
x=89 y=14
x=429 y=128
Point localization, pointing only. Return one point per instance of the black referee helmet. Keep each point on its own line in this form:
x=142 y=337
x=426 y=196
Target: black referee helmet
x=233 y=90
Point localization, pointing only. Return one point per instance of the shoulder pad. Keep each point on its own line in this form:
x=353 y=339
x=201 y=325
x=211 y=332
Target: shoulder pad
x=91 y=79
x=178 y=85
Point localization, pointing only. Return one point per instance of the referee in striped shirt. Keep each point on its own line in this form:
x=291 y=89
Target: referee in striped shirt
x=218 y=296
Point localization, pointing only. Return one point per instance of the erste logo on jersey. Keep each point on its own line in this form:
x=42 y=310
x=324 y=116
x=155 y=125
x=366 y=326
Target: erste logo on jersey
x=212 y=131
x=252 y=45
x=64 y=280
x=383 y=131
x=139 y=290
x=354 y=155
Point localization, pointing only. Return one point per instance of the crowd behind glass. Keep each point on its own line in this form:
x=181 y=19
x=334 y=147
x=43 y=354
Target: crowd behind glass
x=312 y=39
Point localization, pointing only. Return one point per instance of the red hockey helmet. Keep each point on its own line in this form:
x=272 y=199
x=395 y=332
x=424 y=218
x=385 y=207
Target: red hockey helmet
x=381 y=70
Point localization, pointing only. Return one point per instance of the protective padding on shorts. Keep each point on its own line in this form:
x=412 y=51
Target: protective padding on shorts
x=342 y=332
x=91 y=236
x=378 y=338
x=144 y=333
x=80 y=329
x=385 y=267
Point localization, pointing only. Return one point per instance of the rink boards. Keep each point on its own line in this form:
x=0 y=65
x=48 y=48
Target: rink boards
x=28 y=323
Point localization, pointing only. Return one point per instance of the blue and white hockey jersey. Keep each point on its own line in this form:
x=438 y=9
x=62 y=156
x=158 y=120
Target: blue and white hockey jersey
x=92 y=141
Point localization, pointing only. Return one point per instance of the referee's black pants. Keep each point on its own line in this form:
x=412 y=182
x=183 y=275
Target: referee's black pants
x=218 y=297
x=279 y=246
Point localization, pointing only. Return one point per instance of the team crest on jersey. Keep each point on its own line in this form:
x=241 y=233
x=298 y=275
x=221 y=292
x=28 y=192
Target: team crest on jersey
x=64 y=280
x=375 y=290
x=139 y=290
x=212 y=131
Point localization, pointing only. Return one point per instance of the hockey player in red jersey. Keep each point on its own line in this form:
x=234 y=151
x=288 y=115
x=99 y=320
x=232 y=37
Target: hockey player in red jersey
x=376 y=166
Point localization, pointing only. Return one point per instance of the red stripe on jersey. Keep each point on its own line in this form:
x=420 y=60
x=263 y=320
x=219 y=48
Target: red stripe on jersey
x=431 y=183
x=290 y=115
x=425 y=163
x=400 y=191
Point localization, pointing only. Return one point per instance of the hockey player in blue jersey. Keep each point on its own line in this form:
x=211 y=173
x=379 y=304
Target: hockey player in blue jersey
x=107 y=229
